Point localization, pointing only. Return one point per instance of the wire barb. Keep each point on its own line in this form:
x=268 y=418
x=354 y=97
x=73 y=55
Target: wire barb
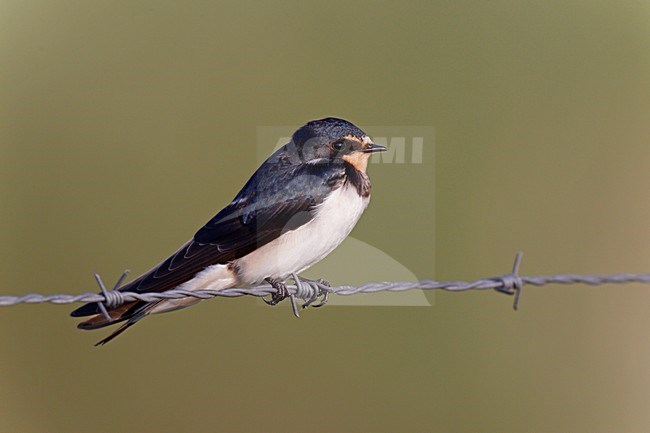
x=309 y=290
x=102 y=304
x=112 y=298
x=512 y=283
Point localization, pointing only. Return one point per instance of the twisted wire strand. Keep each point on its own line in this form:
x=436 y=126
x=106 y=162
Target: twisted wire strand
x=308 y=290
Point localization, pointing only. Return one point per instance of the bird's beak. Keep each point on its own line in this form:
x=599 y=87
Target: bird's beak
x=374 y=148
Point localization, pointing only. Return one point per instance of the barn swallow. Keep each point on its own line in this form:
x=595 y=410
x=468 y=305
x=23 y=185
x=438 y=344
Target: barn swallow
x=299 y=205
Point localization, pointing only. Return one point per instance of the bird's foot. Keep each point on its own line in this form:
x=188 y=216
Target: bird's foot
x=321 y=291
x=280 y=294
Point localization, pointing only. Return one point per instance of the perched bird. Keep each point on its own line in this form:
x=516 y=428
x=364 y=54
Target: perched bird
x=296 y=208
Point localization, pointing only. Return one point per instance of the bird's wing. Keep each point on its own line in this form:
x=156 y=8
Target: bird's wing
x=275 y=200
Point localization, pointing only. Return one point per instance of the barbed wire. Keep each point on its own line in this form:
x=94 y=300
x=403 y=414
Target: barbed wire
x=310 y=290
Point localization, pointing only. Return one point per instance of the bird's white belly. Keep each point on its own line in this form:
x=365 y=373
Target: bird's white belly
x=297 y=250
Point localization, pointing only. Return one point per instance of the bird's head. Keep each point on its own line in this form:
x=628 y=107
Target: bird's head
x=334 y=140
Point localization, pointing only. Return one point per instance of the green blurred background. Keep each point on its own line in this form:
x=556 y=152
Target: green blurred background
x=125 y=125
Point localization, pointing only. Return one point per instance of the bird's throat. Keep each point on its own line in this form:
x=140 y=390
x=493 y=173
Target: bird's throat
x=358 y=160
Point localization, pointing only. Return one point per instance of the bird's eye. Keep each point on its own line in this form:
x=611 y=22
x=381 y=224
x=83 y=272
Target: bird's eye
x=337 y=145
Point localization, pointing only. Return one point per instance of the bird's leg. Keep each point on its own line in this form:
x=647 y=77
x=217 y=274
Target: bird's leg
x=281 y=293
x=322 y=286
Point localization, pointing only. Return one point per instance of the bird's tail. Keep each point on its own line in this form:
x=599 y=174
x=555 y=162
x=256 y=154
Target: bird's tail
x=132 y=320
x=130 y=313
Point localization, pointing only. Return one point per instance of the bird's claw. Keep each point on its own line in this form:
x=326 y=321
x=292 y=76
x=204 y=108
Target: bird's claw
x=280 y=294
x=324 y=299
x=321 y=292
